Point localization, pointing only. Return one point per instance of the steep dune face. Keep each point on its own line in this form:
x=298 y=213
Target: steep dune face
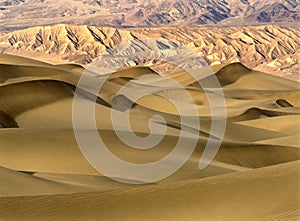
x=271 y=49
x=119 y=13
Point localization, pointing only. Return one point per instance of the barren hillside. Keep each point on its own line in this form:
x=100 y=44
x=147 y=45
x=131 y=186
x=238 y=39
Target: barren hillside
x=272 y=49
x=18 y=14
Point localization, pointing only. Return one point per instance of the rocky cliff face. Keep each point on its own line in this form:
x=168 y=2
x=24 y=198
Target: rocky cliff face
x=270 y=48
x=18 y=14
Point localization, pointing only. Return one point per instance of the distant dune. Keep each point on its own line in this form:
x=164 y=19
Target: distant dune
x=254 y=176
x=271 y=49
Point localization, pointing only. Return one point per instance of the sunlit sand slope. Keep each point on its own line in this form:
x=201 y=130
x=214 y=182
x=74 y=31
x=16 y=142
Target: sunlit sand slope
x=260 y=194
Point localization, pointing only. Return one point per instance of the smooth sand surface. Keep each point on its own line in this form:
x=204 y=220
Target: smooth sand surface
x=44 y=175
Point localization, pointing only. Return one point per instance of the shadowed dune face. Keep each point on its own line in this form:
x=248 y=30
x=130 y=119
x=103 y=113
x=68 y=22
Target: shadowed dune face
x=255 y=174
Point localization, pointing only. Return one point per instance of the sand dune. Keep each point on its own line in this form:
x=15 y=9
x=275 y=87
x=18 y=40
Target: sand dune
x=262 y=194
x=254 y=176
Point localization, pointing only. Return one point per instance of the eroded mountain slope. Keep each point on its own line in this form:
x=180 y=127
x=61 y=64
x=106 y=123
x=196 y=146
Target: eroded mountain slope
x=272 y=49
x=18 y=14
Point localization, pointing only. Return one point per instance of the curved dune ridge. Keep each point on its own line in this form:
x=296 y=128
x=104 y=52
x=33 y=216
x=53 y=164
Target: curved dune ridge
x=255 y=174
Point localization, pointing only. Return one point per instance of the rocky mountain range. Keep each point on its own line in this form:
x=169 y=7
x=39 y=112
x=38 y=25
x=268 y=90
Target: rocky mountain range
x=272 y=49
x=19 y=14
